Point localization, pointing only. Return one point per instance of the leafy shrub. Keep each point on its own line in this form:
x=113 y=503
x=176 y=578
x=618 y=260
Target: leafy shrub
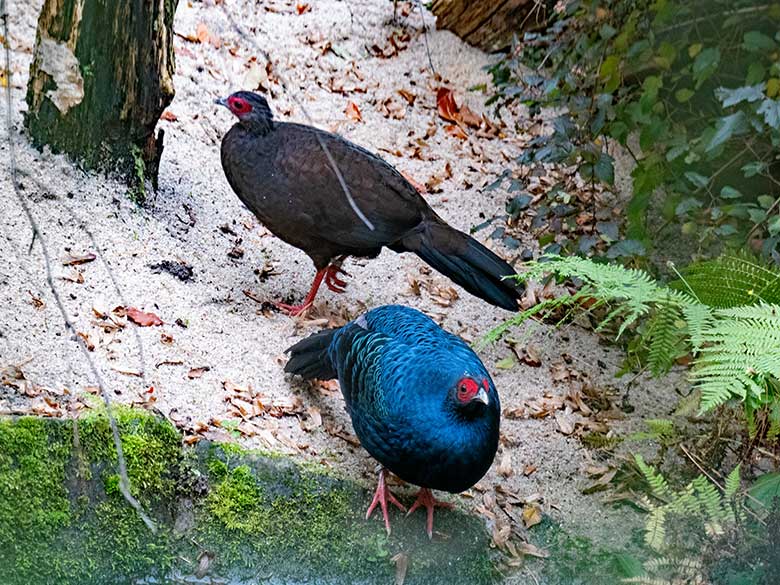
x=690 y=89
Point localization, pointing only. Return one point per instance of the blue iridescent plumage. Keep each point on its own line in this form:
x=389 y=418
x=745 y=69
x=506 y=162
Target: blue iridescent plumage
x=421 y=401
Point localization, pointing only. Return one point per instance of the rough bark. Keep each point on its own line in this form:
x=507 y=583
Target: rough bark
x=489 y=24
x=101 y=76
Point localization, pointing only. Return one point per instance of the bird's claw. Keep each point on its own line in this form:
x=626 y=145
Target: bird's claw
x=425 y=499
x=292 y=310
x=332 y=281
x=381 y=496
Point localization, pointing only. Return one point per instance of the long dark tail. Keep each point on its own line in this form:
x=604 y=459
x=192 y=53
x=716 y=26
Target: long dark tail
x=309 y=357
x=466 y=262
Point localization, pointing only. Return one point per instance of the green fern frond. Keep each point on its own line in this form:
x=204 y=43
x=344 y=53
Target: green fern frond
x=699 y=319
x=742 y=354
x=664 y=335
x=774 y=421
x=656 y=481
x=731 y=281
x=543 y=308
x=732 y=482
x=645 y=580
x=655 y=529
x=685 y=502
x=712 y=504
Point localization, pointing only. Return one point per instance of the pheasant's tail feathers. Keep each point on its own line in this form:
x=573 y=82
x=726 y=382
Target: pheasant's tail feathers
x=309 y=357
x=468 y=263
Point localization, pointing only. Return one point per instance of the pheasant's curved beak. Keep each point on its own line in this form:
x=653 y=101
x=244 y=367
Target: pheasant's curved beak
x=221 y=102
x=482 y=397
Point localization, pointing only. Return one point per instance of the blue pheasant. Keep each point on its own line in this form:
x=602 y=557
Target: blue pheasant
x=421 y=401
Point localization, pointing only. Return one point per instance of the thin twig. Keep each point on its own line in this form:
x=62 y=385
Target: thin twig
x=124 y=482
x=425 y=36
x=309 y=119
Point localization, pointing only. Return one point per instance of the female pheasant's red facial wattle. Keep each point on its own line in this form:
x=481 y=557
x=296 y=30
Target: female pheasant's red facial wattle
x=468 y=389
x=239 y=106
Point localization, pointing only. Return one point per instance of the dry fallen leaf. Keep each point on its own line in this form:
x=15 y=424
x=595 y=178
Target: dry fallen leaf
x=468 y=117
x=75 y=276
x=87 y=341
x=401 y=561
x=529 y=549
x=532 y=515
x=313 y=419
x=565 y=422
x=505 y=467
x=302 y=8
x=390 y=108
x=168 y=116
x=197 y=372
x=353 y=112
x=408 y=96
x=71 y=260
x=256 y=76
x=445 y=104
x=141 y=318
x=456 y=131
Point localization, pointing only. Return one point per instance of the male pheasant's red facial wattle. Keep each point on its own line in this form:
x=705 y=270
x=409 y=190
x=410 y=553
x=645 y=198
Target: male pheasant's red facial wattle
x=239 y=106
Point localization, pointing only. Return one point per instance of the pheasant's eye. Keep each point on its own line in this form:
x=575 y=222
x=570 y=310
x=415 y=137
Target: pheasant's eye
x=467 y=389
x=239 y=106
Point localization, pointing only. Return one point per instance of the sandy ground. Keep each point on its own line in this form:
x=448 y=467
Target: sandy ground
x=196 y=219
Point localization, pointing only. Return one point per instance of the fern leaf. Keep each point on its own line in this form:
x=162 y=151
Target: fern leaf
x=742 y=354
x=655 y=529
x=732 y=482
x=656 y=481
x=664 y=335
x=699 y=318
x=644 y=580
x=731 y=281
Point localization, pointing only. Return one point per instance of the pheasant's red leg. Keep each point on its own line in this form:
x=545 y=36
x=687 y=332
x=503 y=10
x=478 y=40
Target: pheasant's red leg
x=381 y=496
x=294 y=310
x=425 y=499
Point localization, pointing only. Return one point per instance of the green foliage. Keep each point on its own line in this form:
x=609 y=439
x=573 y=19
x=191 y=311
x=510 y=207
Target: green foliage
x=737 y=349
x=731 y=281
x=682 y=523
x=740 y=356
x=659 y=430
x=695 y=85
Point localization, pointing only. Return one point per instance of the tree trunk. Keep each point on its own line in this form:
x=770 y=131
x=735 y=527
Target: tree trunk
x=101 y=76
x=490 y=24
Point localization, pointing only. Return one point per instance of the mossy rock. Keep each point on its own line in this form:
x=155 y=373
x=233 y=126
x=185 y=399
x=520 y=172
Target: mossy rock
x=255 y=515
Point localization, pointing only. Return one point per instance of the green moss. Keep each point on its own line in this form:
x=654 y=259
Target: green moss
x=137 y=191
x=151 y=447
x=58 y=524
x=63 y=519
